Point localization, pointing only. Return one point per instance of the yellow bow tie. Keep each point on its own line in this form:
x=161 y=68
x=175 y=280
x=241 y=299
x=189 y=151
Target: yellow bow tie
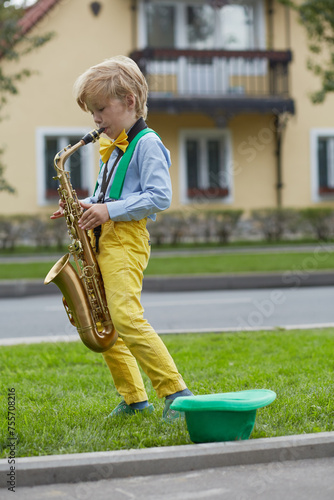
x=107 y=146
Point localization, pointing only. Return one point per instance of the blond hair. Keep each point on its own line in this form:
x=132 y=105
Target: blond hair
x=115 y=77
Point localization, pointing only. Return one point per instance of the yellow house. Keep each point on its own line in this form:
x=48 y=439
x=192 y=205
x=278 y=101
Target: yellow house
x=229 y=95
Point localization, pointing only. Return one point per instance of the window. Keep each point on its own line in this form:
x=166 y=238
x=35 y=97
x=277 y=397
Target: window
x=326 y=164
x=201 y=27
x=80 y=164
x=230 y=27
x=193 y=24
x=322 y=164
x=160 y=26
x=204 y=166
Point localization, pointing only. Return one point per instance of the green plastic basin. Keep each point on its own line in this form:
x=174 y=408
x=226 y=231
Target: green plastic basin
x=226 y=416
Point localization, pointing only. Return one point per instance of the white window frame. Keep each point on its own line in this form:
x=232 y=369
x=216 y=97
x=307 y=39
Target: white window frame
x=204 y=134
x=61 y=133
x=315 y=134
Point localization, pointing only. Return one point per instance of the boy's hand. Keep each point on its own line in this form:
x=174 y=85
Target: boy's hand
x=59 y=212
x=94 y=215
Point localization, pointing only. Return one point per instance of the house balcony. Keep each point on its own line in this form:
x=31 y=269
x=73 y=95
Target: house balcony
x=225 y=82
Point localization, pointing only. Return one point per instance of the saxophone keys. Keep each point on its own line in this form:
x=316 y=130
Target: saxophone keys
x=69 y=312
x=89 y=272
x=75 y=247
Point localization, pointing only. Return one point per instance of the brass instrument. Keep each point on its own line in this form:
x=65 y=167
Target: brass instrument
x=84 y=296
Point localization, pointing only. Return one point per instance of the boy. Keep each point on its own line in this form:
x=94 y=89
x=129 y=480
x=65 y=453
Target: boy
x=115 y=93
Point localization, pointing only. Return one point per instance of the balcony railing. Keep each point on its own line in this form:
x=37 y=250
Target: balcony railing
x=251 y=74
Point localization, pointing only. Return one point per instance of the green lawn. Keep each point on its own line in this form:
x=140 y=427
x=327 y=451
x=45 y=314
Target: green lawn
x=63 y=392
x=240 y=263
x=198 y=264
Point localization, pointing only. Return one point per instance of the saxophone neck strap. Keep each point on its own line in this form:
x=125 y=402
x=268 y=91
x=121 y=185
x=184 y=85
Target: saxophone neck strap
x=122 y=160
x=118 y=182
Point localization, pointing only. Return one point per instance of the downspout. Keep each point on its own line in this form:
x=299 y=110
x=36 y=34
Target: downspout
x=270 y=24
x=278 y=152
x=287 y=28
x=133 y=8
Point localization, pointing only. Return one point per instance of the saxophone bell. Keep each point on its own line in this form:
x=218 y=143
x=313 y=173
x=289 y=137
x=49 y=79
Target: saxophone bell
x=84 y=296
x=97 y=337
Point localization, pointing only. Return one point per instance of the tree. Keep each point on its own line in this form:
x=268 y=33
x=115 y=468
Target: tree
x=317 y=16
x=14 y=44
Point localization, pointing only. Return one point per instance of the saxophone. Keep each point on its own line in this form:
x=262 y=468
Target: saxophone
x=84 y=296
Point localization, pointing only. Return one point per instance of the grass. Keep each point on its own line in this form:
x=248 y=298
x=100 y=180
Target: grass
x=52 y=250
x=64 y=391
x=199 y=264
x=240 y=263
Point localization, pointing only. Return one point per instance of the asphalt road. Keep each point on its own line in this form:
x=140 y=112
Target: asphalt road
x=178 y=312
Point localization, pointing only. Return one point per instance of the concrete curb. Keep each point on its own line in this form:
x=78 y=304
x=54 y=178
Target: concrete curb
x=26 y=288
x=236 y=281
x=33 y=471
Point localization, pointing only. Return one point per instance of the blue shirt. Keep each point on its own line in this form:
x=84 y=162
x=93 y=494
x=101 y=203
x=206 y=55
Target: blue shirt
x=147 y=186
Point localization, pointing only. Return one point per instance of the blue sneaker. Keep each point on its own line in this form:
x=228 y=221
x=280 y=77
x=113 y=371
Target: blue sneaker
x=169 y=415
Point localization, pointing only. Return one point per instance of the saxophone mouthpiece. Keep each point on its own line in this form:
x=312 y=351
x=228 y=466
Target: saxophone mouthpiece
x=92 y=136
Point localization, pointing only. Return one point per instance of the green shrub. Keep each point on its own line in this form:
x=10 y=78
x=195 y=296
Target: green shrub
x=224 y=222
x=320 y=220
x=274 y=222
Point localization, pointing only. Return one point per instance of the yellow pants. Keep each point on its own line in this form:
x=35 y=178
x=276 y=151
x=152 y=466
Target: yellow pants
x=124 y=253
